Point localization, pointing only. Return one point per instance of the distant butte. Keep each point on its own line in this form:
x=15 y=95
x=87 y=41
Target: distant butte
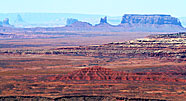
x=103 y=20
x=150 y=19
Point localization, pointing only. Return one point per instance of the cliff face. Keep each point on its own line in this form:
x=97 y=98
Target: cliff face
x=151 y=23
x=150 y=19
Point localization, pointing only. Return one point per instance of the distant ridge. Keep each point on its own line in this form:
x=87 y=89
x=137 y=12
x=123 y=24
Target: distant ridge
x=129 y=23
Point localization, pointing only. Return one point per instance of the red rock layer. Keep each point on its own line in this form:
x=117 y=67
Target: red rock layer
x=99 y=73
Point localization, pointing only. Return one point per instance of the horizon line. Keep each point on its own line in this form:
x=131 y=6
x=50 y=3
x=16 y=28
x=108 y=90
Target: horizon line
x=88 y=14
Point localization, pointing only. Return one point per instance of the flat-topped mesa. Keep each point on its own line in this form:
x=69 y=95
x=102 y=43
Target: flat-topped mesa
x=150 y=19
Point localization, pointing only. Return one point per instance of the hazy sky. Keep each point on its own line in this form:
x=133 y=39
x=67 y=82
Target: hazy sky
x=176 y=8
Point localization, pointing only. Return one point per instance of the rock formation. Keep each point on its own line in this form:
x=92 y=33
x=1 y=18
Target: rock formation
x=154 y=23
x=105 y=74
x=103 y=25
x=129 y=23
x=150 y=19
x=103 y=20
x=134 y=23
